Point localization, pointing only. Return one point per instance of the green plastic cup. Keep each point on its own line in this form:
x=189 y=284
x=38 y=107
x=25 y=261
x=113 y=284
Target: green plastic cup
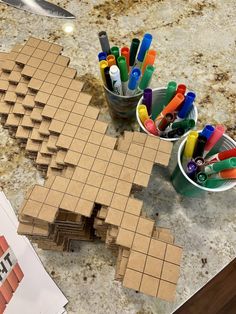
x=187 y=187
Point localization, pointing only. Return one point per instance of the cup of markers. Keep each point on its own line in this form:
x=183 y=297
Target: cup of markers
x=125 y=73
x=206 y=162
x=168 y=112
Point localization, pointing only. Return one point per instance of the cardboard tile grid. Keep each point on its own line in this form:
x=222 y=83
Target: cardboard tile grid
x=89 y=174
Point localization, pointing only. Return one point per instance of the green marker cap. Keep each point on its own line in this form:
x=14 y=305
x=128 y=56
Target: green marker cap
x=133 y=50
x=170 y=92
x=115 y=51
x=201 y=178
x=123 y=68
x=214 y=183
x=221 y=165
x=146 y=78
x=185 y=124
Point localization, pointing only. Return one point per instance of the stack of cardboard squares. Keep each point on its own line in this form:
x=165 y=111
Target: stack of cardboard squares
x=89 y=175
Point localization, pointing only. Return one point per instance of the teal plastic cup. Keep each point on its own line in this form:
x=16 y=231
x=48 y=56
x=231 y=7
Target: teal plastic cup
x=187 y=187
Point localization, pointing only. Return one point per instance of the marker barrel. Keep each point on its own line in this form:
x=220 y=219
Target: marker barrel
x=187 y=105
x=121 y=61
x=103 y=38
x=103 y=64
x=147 y=99
x=133 y=81
x=149 y=59
x=115 y=79
x=143 y=114
x=190 y=144
x=133 y=50
x=222 y=155
x=150 y=126
x=217 y=134
x=225 y=174
x=163 y=124
x=176 y=133
x=171 y=107
x=212 y=183
x=108 y=78
x=125 y=53
x=221 y=165
x=185 y=124
x=146 y=42
x=146 y=78
x=199 y=147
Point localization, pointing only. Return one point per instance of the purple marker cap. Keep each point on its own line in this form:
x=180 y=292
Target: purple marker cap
x=147 y=99
x=191 y=169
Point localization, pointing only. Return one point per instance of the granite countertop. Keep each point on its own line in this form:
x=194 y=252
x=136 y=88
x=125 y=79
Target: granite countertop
x=195 y=41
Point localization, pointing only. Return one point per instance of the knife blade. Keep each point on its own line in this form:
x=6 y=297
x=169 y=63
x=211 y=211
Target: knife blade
x=41 y=7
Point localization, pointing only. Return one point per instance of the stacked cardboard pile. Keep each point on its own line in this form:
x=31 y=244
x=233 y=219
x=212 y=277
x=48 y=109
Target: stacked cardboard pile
x=89 y=174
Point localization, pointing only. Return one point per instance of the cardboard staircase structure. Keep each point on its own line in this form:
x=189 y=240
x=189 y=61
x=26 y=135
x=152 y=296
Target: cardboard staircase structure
x=89 y=175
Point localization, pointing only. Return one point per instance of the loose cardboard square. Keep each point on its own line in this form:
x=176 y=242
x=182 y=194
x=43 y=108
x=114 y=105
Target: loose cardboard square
x=173 y=254
x=149 y=285
x=166 y=291
x=89 y=193
x=113 y=170
x=153 y=267
x=39 y=193
x=123 y=188
x=127 y=174
x=104 y=197
x=109 y=183
x=47 y=213
x=119 y=202
x=75 y=188
x=114 y=217
x=141 y=179
x=129 y=222
x=132 y=279
x=134 y=206
x=60 y=184
x=157 y=249
x=162 y=158
x=145 y=226
x=125 y=238
x=69 y=202
x=136 y=261
x=84 y=207
x=141 y=243
x=170 y=272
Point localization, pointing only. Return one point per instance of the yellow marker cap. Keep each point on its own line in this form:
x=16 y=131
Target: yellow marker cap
x=190 y=144
x=103 y=64
x=143 y=114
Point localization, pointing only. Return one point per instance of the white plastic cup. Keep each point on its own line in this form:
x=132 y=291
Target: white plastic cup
x=158 y=97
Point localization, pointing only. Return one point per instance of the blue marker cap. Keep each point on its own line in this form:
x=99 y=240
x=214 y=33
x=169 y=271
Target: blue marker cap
x=102 y=56
x=187 y=105
x=207 y=131
x=134 y=78
x=146 y=42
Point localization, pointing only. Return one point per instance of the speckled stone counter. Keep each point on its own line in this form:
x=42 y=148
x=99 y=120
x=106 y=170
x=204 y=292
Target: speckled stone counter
x=195 y=41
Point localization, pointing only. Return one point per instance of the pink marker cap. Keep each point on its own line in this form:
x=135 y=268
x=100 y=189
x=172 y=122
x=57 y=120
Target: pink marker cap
x=217 y=134
x=150 y=127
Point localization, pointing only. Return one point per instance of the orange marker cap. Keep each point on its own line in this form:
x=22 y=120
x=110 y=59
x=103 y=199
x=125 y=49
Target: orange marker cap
x=228 y=174
x=149 y=59
x=125 y=53
x=111 y=60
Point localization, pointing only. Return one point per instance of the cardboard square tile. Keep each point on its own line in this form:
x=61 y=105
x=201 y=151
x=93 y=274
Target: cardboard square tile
x=48 y=213
x=141 y=243
x=100 y=127
x=71 y=95
x=141 y=179
x=69 y=73
x=64 y=82
x=145 y=226
x=4 y=85
x=134 y=206
x=136 y=261
x=40 y=74
x=50 y=57
x=157 y=249
x=79 y=108
x=119 y=201
x=76 y=85
x=56 y=126
x=22 y=133
x=129 y=222
x=104 y=153
x=135 y=150
x=104 y=197
x=165 y=147
x=77 y=145
x=57 y=69
x=36 y=114
x=125 y=238
x=64 y=141
x=54 y=101
x=118 y=157
x=27 y=122
x=127 y=174
x=123 y=145
x=123 y=188
x=41 y=97
x=84 y=207
x=109 y=183
x=113 y=170
x=62 y=115
x=45 y=65
x=39 y=193
x=139 y=137
x=95 y=138
x=21 y=89
x=44 y=45
x=153 y=266
x=89 y=193
x=59 y=91
x=100 y=166
x=132 y=279
x=35 y=84
x=39 y=53
x=60 y=156
x=92 y=112
x=52 y=78
x=33 y=42
x=33 y=62
x=54 y=198
x=80 y=174
x=18 y=109
x=131 y=162
x=69 y=130
x=95 y=179
x=47 y=87
x=60 y=184
x=5 y=108
x=166 y=291
x=49 y=112
x=14 y=77
x=152 y=142
x=87 y=123
x=108 y=141
x=162 y=158
x=75 y=188
x=69 y=202
x=8 y=65
x=149 y=154
x=84 y=98
x=91 y=149
x=10 y=97
x=145 y=166
x=55 y=48
x=62 y=60
x=86 y=162
x=72 y=158
x=149 y=285
x=170 y=272
x=114 y=217
x=173 y=254
x=28 y=70
x=67 y=104
x=32 y=208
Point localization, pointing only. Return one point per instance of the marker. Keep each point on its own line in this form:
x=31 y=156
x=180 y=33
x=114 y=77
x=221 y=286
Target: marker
x=176 y=133
x=171 y=107
x=103 y=38
x=190 y=145
x=115 y=51
x=221 y=165
x=222 y=155
x=125 y=53
x=133 y=50
x=185 y=124
x=146 y=78
x=123 y=73
x=115 y=79
x=149 y=59
x=201 y=178
x=212 y=183
x=103 y=64
x=217 y=134
x=199 y=147
x=181 y=89
x=150 y=127
x=207 y=131
x=108 y=79
x=143 y=114
x=146 y=42
x=133 y=81
x=191 y=169
x=163 y=124
x=111 y=60
x=200 y=162
x=187 y=105
x=147 y=99
x=102 y=56
x=225 y=174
